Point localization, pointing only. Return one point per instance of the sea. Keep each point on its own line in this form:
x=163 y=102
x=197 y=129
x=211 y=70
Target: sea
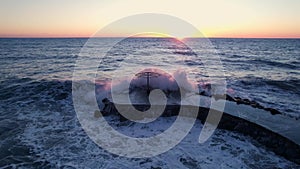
x=38 y=123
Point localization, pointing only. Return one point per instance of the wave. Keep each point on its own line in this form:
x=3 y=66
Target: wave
x=274 y=63
x=289 y=85
x=33 y=57
x=51 y=130
x=27 y=89
x=187 y=53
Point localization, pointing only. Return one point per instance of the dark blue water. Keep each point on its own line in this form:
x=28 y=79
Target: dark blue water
x=35 y=84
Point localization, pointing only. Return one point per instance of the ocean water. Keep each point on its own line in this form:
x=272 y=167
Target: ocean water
x=38 y=124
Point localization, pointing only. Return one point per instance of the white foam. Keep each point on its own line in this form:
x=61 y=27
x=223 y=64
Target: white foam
x=63 y=143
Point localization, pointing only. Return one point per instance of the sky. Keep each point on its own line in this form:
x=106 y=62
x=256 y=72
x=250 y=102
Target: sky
x=214 y=18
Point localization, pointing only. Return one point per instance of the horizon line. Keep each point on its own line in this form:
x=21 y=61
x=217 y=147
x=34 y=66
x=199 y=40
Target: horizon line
x=87 y=37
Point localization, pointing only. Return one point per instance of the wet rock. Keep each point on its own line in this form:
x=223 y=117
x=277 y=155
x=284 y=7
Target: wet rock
x=254 y=104
x=273 y=111
x=238 y=100
x=229 y=98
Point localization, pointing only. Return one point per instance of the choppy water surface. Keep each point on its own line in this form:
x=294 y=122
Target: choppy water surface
x=38 y=124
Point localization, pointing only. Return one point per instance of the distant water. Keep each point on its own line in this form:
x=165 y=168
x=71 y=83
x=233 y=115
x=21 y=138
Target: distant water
x=36 y=111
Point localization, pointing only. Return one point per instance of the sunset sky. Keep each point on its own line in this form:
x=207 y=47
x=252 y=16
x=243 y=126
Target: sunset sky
x=215 y=18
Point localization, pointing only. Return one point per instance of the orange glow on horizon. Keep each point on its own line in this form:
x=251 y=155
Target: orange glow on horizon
x=87 y=35
x=250 y=32
x=227 y=19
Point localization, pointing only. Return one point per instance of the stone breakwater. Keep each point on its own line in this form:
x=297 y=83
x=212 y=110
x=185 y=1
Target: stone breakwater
x=251 y=103
x=275 y=142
